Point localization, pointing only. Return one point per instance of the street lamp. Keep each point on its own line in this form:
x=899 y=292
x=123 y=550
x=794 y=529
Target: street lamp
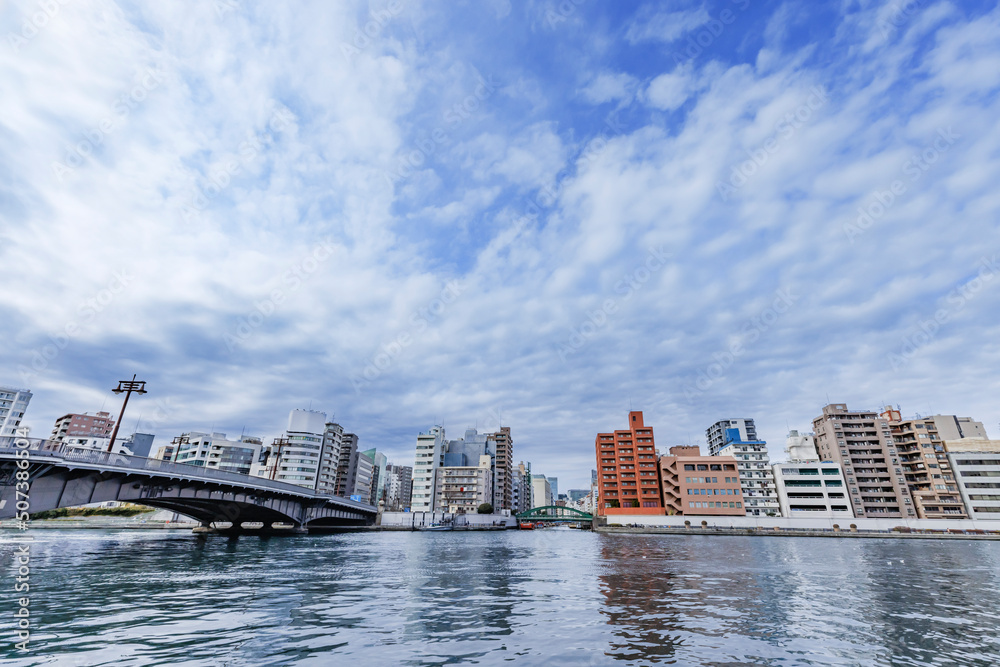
x=126 y=386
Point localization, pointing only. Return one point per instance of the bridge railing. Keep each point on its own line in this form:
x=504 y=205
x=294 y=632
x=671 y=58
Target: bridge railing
x=58 y=452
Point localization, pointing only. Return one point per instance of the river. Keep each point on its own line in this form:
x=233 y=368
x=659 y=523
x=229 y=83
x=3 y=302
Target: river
x=546 y=597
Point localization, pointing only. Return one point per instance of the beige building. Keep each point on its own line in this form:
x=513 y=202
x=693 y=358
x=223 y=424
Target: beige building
x=693 y=484
x=862 y=443
x=925 y=465
x=462 y=489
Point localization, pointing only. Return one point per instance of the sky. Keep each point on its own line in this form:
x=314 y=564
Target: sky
x=538 y=214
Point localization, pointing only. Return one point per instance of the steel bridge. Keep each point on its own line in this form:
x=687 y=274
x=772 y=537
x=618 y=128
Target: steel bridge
x=555 y=513
x=62 y=478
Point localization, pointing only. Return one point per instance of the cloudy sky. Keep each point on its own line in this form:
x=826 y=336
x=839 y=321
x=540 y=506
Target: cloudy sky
x=406 y=213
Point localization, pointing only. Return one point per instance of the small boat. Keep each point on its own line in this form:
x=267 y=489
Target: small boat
x=437 y=526
x=526 y=525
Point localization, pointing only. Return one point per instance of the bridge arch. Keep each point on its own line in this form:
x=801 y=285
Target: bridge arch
x=555 y=513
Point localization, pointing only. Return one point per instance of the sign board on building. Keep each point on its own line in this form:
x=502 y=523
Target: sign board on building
x=356 y=498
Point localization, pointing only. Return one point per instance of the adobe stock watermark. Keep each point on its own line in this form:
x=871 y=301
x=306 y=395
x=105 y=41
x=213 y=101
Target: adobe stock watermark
x=419 y=322
x=882 y=200
x=750 y=333
x=32 y=25
x=956 y=300
x=900 y=15
x=87 y=310
x=366 y=34
x=598 y=318
x=22 y=555
x=222 y=175
x=300 y=271
x=426 y=147
x=784 y=130
x=561 y=12
x=94 y=137
x=707 y=33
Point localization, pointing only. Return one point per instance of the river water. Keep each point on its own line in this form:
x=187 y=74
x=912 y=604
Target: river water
x=546 y=597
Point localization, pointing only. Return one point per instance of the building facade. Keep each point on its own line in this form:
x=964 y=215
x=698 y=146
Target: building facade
x=925 y=464
x=462 y=489
x=760 y=496
x=541 y=491
x=716 y=435
x=700 y=485
x=214 y=451
x=329 y=459
x=977 y=475
x=627 y=465
x=862 y=443
x=812 y=489
x=99 y=425
x=521 y=490
x=347 y=465
x=429 y=457
x=399 y=484
x=503 y=469
x=13 y=405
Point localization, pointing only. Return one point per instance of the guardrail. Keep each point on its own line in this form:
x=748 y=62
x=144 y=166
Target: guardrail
x=54 y=451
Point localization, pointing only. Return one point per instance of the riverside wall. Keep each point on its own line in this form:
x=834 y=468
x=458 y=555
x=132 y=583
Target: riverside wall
x=813 y=527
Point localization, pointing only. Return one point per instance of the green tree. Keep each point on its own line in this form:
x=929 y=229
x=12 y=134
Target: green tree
x=485 y=508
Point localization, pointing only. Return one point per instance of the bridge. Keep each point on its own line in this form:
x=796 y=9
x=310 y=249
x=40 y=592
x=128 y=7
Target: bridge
x=59 y=477
x=555 y=513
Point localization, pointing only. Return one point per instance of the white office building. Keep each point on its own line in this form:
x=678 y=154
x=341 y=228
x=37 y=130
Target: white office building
x=541 y=491
x=812 y=489
x=214 y=451
x=977 y=475
x=13 y=404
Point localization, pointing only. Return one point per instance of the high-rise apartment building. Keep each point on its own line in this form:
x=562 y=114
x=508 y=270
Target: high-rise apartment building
x=362 y=475
x=429 y=457
x=862 y=443
x=760 y=495
x=716 y=434
x=347 y=465
x=99 y=425
x=627 y=463
x=329 y=459
x=925 y=464
x=521 y=491
x=13 y=405
x=503 y=468
x=703 y=485
x=399 y=485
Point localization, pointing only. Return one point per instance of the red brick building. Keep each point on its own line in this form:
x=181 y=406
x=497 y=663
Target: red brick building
x=85 y=425
x=627 y=473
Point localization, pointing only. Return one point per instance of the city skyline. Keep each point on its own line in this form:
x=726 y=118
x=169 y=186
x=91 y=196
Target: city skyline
x=532 y=215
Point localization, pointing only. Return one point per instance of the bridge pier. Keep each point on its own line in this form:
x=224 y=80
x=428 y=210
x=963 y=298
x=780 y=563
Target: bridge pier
x=206 y=528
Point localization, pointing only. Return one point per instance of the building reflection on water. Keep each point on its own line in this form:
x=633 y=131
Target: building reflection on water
x=659 y=597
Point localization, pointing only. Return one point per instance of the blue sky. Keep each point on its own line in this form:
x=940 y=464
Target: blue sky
x=408 y=213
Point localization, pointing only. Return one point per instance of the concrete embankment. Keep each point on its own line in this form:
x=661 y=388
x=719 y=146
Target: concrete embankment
x=799 y=532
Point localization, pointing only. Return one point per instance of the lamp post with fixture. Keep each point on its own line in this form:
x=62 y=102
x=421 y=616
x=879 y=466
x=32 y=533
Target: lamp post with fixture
x=126 y=387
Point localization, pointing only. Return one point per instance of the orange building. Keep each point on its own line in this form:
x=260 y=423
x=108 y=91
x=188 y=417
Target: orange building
x=701 y=485
x=626 y=461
